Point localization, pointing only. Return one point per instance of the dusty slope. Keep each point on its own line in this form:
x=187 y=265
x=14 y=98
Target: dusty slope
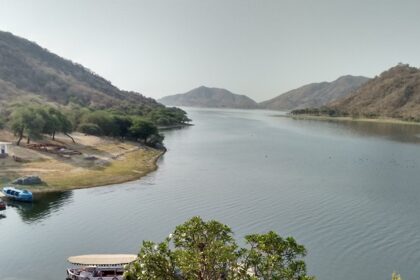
x=393 y=94
x=314 y=95
x=27 y=69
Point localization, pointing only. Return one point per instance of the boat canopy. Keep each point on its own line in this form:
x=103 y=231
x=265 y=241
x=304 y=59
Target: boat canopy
x=102 y=260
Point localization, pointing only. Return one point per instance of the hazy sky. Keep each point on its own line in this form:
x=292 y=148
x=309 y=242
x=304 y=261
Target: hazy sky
x=259 y=48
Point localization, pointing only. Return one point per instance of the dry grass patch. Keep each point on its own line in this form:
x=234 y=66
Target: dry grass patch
x=130 y=167
x=113 y=162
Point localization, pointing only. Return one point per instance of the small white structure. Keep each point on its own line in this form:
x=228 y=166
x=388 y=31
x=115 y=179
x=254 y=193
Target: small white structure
x=4 y=149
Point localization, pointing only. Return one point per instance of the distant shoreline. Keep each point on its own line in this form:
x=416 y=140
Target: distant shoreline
x=176 y=126
x=351 y=119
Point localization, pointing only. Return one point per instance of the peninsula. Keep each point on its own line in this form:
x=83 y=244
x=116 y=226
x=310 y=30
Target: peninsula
x=90 y=162
x=70 y=127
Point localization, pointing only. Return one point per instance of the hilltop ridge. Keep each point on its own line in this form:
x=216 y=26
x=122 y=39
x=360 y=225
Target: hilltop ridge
x=315 y=94
x=395 y=93
x=32 y=72
x=210 y=97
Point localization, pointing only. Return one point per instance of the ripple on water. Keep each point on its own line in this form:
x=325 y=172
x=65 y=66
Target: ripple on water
x=348 y=192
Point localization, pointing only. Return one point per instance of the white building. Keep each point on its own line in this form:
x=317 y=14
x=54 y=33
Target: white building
x=4 y=149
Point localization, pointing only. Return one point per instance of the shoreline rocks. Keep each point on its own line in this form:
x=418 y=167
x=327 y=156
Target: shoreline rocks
x=28 y=180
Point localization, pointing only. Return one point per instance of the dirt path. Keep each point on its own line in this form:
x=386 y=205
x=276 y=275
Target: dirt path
x=26 y=170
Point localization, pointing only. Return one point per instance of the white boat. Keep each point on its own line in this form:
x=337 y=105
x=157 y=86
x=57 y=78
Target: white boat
x=18 y=195
x=98 y=267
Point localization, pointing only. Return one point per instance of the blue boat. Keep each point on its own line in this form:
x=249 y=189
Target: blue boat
x=18 y=195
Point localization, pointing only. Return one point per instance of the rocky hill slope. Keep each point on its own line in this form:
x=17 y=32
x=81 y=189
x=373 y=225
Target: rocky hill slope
x=315 y=95
x=28 y=71
x=395 y=94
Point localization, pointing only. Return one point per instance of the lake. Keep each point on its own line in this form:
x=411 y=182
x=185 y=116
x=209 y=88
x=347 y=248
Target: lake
x=348 y=191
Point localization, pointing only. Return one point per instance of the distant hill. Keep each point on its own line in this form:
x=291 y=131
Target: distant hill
x=28 y=71
x=210 y=98
x=315 y=95
x=395 y=94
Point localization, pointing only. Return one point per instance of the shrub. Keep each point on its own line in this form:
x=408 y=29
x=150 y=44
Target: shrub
x=90 y=129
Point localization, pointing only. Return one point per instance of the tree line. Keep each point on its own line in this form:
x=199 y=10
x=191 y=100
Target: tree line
x=33 y=121
x=322 y=111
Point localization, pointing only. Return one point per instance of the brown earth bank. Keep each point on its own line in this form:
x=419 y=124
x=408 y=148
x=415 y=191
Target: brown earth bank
x=63 y=165
x=353 y=119
x=394 y=94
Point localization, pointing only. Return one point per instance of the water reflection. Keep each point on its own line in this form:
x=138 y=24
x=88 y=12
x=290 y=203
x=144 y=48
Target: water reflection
x=405 y=133
x=353 y=201
x=44 y=205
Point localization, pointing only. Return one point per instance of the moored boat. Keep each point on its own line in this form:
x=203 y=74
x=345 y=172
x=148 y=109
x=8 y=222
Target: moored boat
x=17 y=194
x=98 y=267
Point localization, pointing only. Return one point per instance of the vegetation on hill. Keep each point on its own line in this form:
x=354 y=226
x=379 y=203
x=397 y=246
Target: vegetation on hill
x=210 y=98
x=314 y=95
x=34 y=121
x=207 y=250
x=323 y=111
x=42 y=93
x=393 y=94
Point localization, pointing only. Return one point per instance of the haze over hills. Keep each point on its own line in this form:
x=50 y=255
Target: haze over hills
x=395 y=93
x=210 y=98
x=315 y=94
x=29 y=71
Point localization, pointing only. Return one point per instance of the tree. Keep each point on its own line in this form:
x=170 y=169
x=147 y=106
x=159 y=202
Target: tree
x=90 y=129
x=56 y=121
x=35 y=120
x=272 y=257
x=142 y=129
x=17 y=123
x=168 y=116
x=51 y=122
x=396 y=276
x=104 y=120
x=34 y=126
x=75 y=114
x=66 y=126
x=1 y=122
x=207 y=251
x=27 y=120
x=123 y=124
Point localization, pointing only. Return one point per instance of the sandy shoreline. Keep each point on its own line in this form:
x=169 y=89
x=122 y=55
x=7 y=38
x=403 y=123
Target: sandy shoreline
x=101 y=162
x=103 y=178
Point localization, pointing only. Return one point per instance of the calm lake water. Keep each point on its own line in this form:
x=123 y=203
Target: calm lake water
x=350 y=192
